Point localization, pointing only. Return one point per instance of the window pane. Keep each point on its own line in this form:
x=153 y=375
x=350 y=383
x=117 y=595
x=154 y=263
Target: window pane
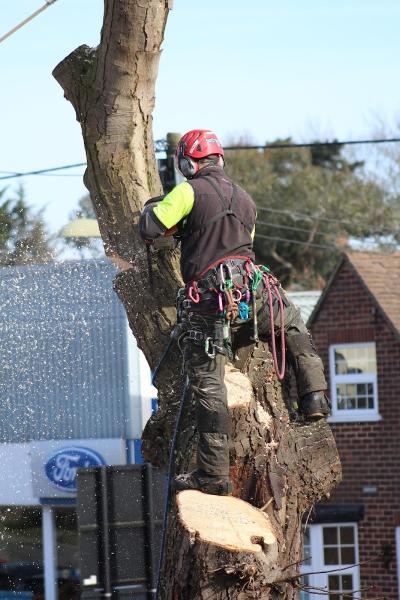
x=362 y=402
x=351 y=396
x=355 y=359
x=330 y=535
x=347 y=583
x=348 y=555
x=331 y=556
x=350 y=389
x=351 y=403
x=333 y=582
x=347 y=535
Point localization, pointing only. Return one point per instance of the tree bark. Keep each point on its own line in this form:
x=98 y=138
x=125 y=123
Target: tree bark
x=279 y=467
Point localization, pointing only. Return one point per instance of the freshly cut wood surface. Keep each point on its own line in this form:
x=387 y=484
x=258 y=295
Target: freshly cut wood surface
x=240 y=390
x=224 y=521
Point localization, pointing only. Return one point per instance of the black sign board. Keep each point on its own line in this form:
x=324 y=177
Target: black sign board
x=120 y=512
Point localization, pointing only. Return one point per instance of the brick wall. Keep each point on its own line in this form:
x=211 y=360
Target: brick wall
x=370 y=452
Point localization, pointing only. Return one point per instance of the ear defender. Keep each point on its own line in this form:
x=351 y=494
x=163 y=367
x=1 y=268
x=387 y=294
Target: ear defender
x=188 y=167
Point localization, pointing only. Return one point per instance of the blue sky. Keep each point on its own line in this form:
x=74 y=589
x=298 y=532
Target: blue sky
x=262 y=68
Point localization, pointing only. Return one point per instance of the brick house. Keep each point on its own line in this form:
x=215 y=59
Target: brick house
x=356 y=328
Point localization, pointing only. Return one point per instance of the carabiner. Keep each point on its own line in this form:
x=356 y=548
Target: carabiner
x=222 y=274
x=194 y=298
x=209 y=344
x=249 y=268
x=236 y=295
x=220 y=303
x=229 y=270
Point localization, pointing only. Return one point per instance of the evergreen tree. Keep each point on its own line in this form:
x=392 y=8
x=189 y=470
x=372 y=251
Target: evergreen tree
x=23 y=237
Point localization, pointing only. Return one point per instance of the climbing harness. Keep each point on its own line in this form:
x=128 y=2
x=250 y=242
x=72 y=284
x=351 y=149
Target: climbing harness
x=234 y=300
x=235 y=284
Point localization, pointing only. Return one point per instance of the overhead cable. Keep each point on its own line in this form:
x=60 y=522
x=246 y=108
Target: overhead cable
x=291 y=241
x=279 y=145
x=159 y=147
x=42 y=171
x=25 y=21
x=321 y=233
x=302 y=243
x=291 y=227
x=299 y=215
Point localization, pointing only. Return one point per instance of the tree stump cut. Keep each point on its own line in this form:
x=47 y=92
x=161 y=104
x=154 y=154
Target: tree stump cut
x=220 y=539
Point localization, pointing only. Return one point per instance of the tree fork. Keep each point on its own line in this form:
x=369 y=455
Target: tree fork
x=279 y=467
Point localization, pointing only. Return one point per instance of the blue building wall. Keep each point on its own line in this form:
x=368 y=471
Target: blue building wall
x=63 y=358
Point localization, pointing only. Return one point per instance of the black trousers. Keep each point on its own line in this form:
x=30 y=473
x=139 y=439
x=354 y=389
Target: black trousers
x=206 y=372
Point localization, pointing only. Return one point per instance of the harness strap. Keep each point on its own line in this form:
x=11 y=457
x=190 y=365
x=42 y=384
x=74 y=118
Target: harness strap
x=228 y=209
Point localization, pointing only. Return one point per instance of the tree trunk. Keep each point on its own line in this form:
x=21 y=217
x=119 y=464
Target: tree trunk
x=279 y=467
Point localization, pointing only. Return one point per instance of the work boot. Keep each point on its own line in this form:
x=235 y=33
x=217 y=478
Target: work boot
x=315 y=406
x=219 y=485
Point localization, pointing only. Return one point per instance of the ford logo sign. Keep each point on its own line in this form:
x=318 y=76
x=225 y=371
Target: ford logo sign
x=61 y=467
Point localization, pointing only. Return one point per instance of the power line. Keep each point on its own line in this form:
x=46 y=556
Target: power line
x=291 y=227
x=25 y=21
x=279 y=145
x=302 y=243
x=42 y=171
x=159 y=147
x=320 y=233
x=298 y=215
x=62 y=175
x=291 y=241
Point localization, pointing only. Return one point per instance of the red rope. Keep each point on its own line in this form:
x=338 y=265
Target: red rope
x=271 y=282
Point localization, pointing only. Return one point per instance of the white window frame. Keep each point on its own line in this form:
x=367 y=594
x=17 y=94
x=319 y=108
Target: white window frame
x=321 y=571
x=358 y=414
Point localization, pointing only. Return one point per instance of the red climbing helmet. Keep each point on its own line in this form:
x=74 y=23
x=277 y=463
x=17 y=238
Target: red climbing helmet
x=196 y=144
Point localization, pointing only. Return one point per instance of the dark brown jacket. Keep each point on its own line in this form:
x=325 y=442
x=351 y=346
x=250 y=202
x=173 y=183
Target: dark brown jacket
x=219 y=225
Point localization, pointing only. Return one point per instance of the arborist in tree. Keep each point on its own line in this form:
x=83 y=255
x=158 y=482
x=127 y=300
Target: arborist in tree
x=225 y=291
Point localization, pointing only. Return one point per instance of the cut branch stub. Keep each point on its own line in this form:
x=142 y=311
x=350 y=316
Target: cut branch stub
x=227 y=543
x=227 y=522
x=76 y=75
